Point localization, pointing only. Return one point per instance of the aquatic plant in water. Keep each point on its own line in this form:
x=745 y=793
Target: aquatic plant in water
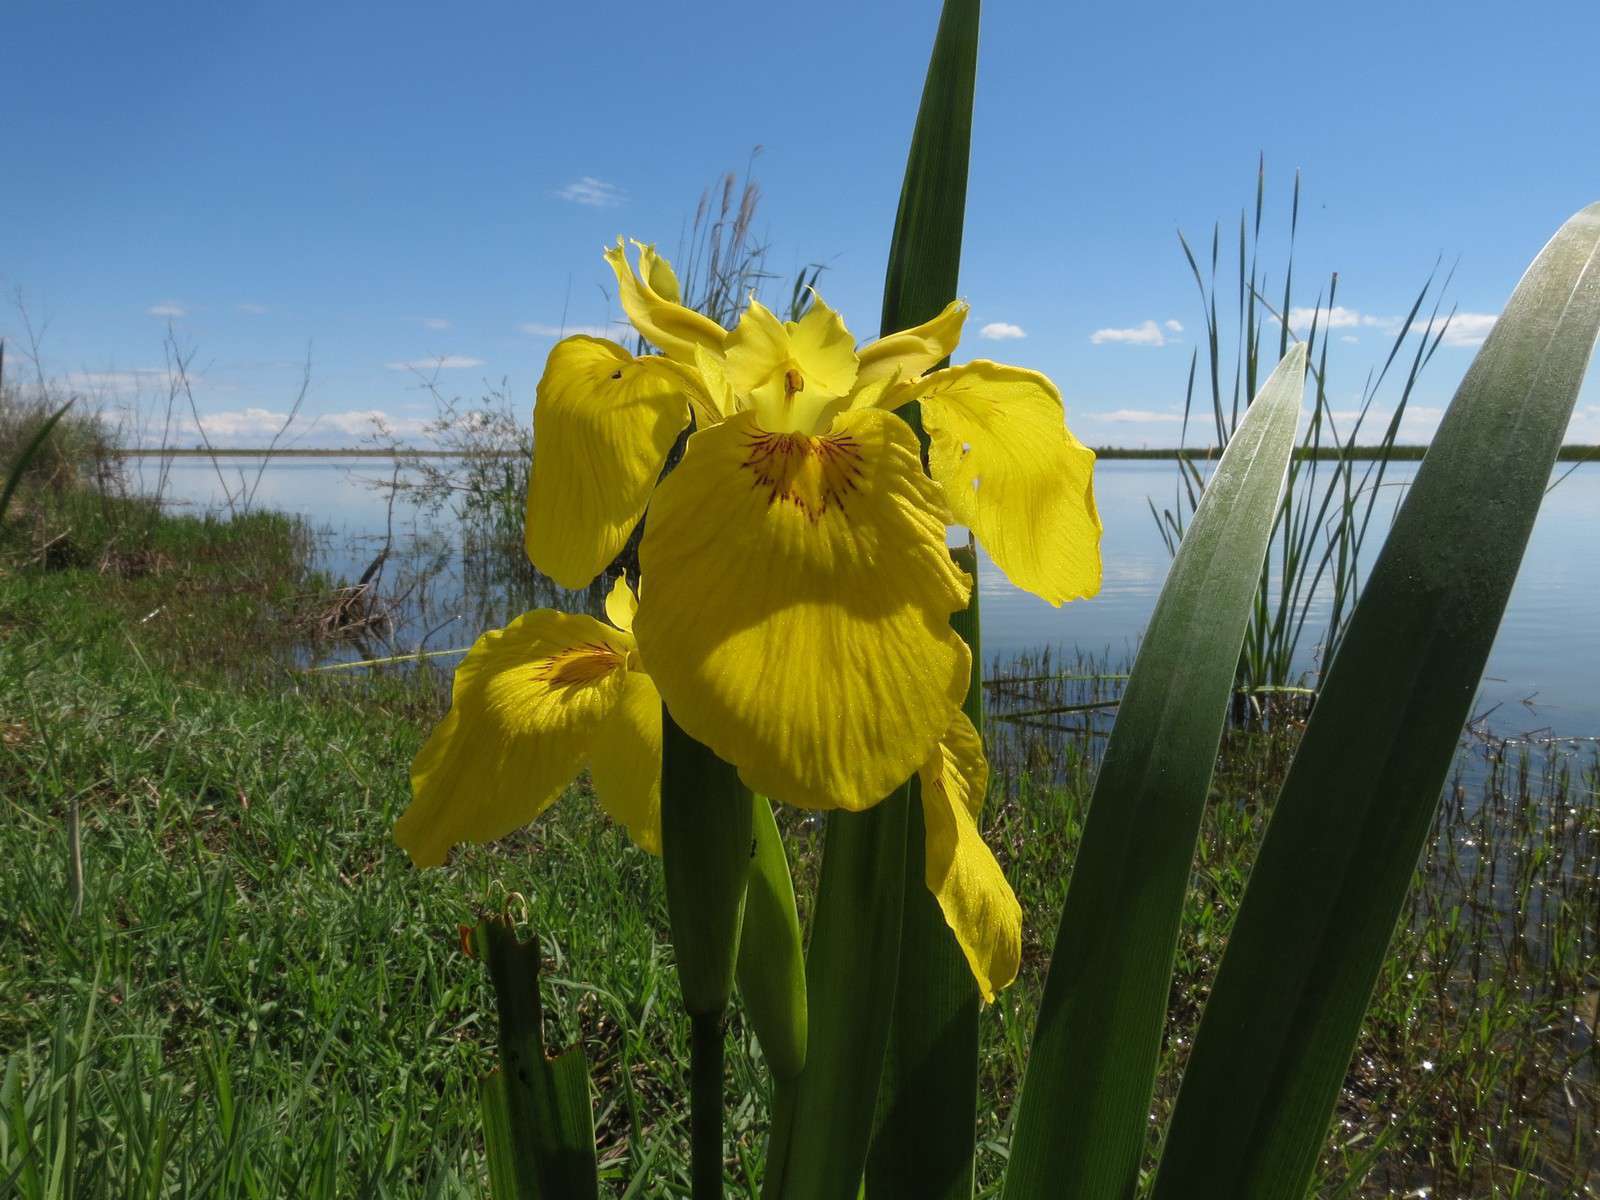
x=812 y=640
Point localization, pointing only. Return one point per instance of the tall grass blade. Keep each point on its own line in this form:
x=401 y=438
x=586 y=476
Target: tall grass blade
x=29 y=451
x=1084 y=1111
x=1331 y=877
x=822 y=1127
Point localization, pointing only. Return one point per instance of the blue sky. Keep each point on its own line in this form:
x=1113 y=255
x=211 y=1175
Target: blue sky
x=422 y=184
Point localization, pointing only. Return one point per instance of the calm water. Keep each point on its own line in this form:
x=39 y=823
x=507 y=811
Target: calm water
x=1542 y=675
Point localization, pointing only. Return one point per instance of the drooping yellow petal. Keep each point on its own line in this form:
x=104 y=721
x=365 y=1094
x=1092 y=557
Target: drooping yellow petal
x=626 y=762
x=664 y=322
x=795 y=607
x=1015 y=475
x=793 y=376
x=961 y=872
x=718 y=403
x=621 y=604
x=906 y=355
x=602 y=426
x=525 y=708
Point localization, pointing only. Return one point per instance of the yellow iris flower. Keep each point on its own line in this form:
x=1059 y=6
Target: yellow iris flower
x=531 y=704
x=800 y=590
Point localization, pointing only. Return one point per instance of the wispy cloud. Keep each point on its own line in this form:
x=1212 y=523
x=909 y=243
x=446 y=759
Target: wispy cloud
x=245 y=427
x=593 y=193
x=167 y=308
x=1146 y=334
x=436 y=323
x=999 y=331
x=443 y=362
x=1173 y=326
x=254 y=310
x=116 y=383
x=539 y=329
x=1135 y=416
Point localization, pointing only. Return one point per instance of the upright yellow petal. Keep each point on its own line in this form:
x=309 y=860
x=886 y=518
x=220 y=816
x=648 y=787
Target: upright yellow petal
x=602 y=426
x=794 y=376
x=664 y=322
x=795 y=606
x=978 y=904
x=525 y=709
x=626 y=762
x=1015 y=475
x=621 y=604
x=906 y=355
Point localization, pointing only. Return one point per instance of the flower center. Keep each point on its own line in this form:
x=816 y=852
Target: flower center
x=578 y=664
x=812 y=473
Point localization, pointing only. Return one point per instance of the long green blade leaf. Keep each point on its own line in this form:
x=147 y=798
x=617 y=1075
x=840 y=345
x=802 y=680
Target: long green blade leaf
x=822 y=1124
x=928 y=1106
x=772 y=969
x=1083 y=1115
x=1331 y=877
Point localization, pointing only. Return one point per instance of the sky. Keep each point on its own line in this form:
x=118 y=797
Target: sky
x=408 y=193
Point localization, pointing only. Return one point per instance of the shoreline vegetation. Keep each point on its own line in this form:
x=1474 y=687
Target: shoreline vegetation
x=1570 y=453
x=222 y=816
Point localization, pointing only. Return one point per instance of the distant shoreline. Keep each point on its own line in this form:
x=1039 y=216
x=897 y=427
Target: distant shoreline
x=1573 y=453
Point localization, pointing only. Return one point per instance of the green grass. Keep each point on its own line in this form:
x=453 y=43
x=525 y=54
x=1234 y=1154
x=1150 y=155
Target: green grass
x=262 y=998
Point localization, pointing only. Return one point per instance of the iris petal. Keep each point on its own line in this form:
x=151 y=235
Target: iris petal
x=525 y=707
x=665 y=323
x=796 y=603
x=603 y=424
x=1015 y=475
x=626 y=762
x=906 y=355
x=977 y=902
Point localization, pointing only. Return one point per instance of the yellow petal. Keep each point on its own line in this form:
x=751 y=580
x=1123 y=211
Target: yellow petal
x=1015 y=475
x=796 y=602
x=793 y=376
x=907 y=354
x=621 y=604
x=602 y=426
x=524 y=711
x=664 y=322
x=978 y=904
x=626 y=762
x=717 y=403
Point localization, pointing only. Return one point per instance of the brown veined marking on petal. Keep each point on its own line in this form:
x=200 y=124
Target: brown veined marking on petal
x=812 y=473
x=579 y=664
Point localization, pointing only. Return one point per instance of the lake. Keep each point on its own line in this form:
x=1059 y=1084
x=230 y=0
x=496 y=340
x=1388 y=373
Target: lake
x=1542 y=675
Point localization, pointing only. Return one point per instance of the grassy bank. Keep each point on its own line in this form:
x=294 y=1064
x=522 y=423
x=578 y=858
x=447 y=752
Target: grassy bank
x=261 y=997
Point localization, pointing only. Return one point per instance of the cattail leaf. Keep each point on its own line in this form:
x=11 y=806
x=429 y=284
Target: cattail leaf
x=1331 y=877
x=1083 y=1116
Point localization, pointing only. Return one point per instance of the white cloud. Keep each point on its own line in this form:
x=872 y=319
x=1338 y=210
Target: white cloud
x=1136 y=416
x=254 y=310
x=617 y=329
x=444 y=362
x=1584 y=426
x=593 y=193
x=1146 y=334
x=251 y=427
x=167 y=308
x=1173 y=326
x=1339 y=317
x=1465 y=328
x=999 y=331
x=435 y=322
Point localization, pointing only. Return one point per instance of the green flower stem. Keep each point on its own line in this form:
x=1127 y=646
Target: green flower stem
x=706 y=844
x=706 y=1050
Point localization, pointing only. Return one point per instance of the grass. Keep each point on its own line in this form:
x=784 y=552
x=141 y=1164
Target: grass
x=261 y=997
